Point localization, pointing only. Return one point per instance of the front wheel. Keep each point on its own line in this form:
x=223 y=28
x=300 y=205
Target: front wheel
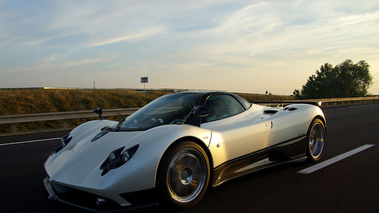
x=183 y=175
x=316 y=140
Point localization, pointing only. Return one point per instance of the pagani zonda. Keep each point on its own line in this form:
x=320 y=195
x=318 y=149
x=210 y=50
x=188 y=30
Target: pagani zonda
x=172 y=149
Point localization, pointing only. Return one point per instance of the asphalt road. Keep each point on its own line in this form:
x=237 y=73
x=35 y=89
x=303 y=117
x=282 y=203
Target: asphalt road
x=348 y=185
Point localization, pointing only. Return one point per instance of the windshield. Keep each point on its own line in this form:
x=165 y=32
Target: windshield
x=169 y=109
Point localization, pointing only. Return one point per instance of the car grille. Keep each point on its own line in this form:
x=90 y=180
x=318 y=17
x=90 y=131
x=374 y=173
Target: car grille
x=85 y=200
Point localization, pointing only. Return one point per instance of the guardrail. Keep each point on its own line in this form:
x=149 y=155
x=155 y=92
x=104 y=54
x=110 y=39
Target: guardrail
x=329 y=101
x=342 y=101
x=13 y=120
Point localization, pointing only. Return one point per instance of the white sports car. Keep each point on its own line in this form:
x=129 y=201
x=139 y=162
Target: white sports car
x=171 y=150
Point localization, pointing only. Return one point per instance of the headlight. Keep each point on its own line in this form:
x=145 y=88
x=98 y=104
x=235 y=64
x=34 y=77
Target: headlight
x=64 y=141
x=129 y=153
x=118 y=158
x=125 y=156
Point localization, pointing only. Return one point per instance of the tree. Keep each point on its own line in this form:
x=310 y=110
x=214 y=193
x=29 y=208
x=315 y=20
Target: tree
x=344 y=80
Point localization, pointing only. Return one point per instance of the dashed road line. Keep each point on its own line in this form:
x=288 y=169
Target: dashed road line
x=334 y=160
x=31 y=141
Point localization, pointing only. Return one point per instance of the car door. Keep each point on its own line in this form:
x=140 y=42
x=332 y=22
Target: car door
x=235 y=132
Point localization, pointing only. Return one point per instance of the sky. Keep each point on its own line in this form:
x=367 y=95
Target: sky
x=249 y=46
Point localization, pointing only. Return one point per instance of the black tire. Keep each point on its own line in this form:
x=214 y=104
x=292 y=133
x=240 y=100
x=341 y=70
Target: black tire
x=315 y=140
x=183 y=175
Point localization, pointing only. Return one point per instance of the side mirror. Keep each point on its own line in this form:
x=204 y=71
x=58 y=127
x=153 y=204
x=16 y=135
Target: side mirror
x=201 y=111
x=99 y=111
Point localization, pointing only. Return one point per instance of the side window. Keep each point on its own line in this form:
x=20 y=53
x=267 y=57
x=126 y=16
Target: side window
x=222 y=106
x=245 y=103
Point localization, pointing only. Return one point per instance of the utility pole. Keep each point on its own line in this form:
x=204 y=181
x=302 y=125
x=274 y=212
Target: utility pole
x=94 y=85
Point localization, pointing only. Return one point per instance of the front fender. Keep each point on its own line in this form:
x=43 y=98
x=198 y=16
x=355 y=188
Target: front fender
x=81 y=170
x=143 y=167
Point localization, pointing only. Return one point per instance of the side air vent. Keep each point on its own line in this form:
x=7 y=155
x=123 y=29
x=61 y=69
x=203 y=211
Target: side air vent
x=270 y=111
x=290 y=109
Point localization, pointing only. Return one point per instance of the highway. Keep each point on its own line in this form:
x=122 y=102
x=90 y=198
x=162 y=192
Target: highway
x=349 y=182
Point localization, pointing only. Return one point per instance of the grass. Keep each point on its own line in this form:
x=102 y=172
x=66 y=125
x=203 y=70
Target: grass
x=25 y=101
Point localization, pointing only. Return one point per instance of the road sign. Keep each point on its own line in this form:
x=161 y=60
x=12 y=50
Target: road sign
x=144 y=80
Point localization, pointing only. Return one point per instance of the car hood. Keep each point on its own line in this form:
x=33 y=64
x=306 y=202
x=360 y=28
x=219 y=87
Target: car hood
x=81 y=158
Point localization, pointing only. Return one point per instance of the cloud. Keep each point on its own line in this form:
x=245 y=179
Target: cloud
x=259 y=41
x=135 y=36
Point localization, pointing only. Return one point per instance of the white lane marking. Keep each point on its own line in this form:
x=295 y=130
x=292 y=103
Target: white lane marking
x=32 y=141
x=335 y=159
x=366 y=105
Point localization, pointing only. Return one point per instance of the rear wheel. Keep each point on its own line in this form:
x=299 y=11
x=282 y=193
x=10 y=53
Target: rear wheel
x=183 y=175
x=316 y=140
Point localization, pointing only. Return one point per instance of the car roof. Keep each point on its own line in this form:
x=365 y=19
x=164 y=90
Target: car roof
x=205 y=94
